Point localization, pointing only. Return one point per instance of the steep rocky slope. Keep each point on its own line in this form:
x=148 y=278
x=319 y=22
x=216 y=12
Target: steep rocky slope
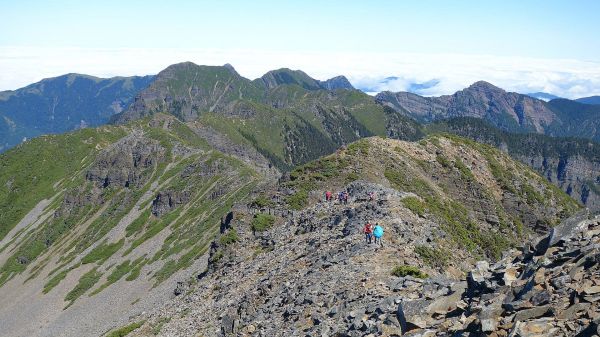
x=549 y=288
x=97 y=224
x=64 y=103
x=570 y=163
x=276 y=272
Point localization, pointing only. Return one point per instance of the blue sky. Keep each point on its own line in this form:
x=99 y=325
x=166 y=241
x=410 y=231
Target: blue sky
x=563 y=35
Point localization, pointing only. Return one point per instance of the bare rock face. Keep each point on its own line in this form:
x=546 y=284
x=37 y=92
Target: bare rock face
x=125 y=163
x=338 y=82
x=576 y=175
x=168 y=200
x=506 y=110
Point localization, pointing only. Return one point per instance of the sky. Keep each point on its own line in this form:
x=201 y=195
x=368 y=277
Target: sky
x=525 y=46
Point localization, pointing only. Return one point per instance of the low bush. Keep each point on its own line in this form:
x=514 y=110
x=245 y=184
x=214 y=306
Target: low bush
x=405 y=270
x=262 y=222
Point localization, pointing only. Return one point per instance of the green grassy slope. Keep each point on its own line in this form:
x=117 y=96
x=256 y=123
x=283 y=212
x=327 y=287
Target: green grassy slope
x=148 y=195
x=484 y=200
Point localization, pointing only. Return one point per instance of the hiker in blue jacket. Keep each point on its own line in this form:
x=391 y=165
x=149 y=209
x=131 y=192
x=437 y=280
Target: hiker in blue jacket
x=378 y=234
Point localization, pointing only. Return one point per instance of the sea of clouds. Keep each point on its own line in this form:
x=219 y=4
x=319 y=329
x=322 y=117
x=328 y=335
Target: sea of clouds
x=425 y=74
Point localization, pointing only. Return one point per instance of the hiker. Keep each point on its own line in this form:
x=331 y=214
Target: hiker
x=368 y=229
x=328 y=196
x=341 y=197
x=378 y=234
x=345 y=198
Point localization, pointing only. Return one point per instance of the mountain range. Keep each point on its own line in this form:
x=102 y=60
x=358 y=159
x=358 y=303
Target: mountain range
x=64 y=103
x=196 y=207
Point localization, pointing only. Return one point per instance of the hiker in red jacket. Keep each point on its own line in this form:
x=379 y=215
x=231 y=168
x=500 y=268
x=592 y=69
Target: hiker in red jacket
x=368 y=229
x=328 y=196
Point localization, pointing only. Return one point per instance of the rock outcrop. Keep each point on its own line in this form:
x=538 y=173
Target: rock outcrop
x=548 y=289
x=126 y=162
x=338 y=82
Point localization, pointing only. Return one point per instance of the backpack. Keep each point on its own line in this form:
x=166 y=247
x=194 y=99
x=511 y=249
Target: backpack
x=378 y=231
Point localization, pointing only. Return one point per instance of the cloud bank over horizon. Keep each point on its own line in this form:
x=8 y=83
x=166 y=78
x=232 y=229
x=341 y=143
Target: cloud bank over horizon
x=425 y=74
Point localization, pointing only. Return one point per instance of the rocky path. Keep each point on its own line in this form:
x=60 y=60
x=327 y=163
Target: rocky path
x=312 y=274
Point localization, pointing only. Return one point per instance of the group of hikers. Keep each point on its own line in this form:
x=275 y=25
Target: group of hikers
x=342 y=197
x=373 y=233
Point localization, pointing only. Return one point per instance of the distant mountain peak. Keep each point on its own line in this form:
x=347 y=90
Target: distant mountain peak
x=230 y=67
x=337 y=82
x=281 y=76
x=483 y=85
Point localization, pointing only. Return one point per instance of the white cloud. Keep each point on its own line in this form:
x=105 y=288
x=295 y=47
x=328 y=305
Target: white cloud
x=20 y=66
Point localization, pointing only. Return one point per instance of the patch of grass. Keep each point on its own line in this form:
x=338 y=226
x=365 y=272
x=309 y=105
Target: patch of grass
x=352 y=176
x=404 y=270
x=443 y=161
x=463 y=169
x=117 y=273
x=136 y=269
x=136 y=225
x=361 y=146
x=503 y=176
x=37 y=243
x=415 y=205
x=124 y=331
x=309 y=177
x=228 y=238
x=159 y=324
x=262 y=202
x=86 y=282
x=402 y=182
x=103 y=252
x=29 y=171
x=531 y=195
x=54 y=281
x=433 y=257
x=262 y=222
x=217 y=256
x=298 y=200
x=186 y=260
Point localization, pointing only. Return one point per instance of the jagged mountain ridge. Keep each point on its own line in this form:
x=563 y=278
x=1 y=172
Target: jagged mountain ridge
x=299 y=118
x=508 y=111
x=311 y=273
x=286 y=115
x=63 y=103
